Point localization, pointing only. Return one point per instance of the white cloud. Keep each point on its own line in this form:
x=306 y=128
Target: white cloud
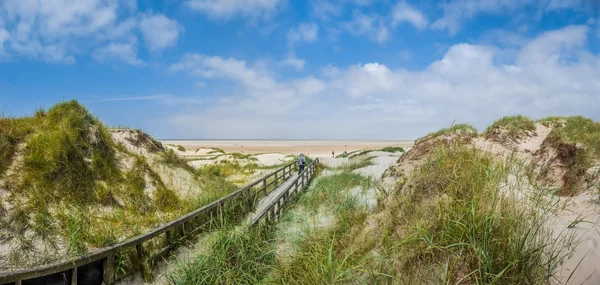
x=370 y=26
x=159 y=32
x=403 y=12
x=262 y=93
x=456 y=13
x=304 y=32
x=226 y=9
x=552 y=74
x=405 y=55
x=59 y=30
x=325 y=10
x=294 y=62
x=3 y=38
x=125 y=52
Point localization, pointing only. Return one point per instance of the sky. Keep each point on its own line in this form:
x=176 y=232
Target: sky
x=283 y=69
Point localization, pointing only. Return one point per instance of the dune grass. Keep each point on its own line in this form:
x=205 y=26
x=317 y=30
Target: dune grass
x=180 y=148
x=515 y=126
x=450 y=130
x=392 y=149
x=233 y=257
x=452 y=225
x=577 y=141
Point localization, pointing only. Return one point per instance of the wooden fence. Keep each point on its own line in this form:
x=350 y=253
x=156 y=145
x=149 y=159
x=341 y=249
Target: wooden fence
x=80 y=269
x=275 y=208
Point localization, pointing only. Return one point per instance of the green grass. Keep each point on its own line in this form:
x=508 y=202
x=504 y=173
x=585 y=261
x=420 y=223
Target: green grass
x=392 y=149
x=180 y=148
x=215 y=151
x=452 y=129
x=355 y=163
x=234 y=257
x=515 y=127
x=452 y=226
x=69 y=151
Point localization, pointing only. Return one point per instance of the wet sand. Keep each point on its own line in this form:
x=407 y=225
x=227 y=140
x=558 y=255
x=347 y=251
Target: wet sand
x=316 y=148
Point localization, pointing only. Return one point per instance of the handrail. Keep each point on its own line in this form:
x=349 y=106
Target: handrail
x=107 y=253
x=275 y=207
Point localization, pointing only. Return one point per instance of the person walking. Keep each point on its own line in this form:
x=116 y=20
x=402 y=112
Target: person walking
x=301 y=163
x=333 y=154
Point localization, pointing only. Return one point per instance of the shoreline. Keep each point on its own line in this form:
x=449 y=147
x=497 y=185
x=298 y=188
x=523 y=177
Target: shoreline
x=317 y=148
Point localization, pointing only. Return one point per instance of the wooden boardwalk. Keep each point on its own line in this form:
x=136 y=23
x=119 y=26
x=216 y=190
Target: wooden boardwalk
x=264 y=203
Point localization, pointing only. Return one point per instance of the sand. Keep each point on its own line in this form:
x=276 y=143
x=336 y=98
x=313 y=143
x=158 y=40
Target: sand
x=314 y=148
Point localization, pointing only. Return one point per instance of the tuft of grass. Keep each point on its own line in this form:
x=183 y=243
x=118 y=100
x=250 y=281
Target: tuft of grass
x=180 y=148
x=356 y=163
x=215 y=151
x=247 y=156
x=466 y=128
x=392 y=149
x=234 y=257
x=514 y=126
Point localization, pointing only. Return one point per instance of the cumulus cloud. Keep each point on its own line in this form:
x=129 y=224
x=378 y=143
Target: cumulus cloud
x=552 y=74
x=119 y=52
x=159 y=32
x=304 y=32
x=293 y=61
x=403 y=12
x=370 y=26
x=456 y=13
x=59 y=30
x=3 y=38
x=226 y=9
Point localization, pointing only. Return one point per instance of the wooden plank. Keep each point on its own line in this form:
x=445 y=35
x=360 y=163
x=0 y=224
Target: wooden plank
x=74 y=276
x=109 y=269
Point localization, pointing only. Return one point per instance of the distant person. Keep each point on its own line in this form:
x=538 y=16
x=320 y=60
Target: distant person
x=301 y=163
x=333 y=154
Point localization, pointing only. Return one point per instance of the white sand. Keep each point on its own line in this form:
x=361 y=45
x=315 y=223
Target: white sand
x=381 y=162
x=585 y=258
x=270 y=159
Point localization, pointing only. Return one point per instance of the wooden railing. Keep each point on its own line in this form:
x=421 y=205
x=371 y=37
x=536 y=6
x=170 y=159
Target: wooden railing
x=102 y=262
x=275 y=208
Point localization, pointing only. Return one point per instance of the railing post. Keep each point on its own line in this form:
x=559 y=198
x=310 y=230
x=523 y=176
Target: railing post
x=275 y=179
x=265 y=186
x=109 y=269
x=74 y=276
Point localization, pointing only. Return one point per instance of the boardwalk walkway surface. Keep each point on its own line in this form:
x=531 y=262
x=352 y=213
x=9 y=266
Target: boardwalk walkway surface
x=266 y=201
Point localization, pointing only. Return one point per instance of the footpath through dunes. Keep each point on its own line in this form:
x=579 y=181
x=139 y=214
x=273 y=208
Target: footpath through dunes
x=263 y=255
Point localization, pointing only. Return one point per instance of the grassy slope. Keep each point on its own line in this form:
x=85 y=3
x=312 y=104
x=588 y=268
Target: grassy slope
x=452 y=129
x=515 y=126
x=70 y=179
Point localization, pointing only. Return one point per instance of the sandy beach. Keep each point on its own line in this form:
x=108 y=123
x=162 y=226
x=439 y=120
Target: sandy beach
x=316 y=148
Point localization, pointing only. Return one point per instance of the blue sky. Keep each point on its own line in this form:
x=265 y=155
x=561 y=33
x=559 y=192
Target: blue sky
x=282 y=69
